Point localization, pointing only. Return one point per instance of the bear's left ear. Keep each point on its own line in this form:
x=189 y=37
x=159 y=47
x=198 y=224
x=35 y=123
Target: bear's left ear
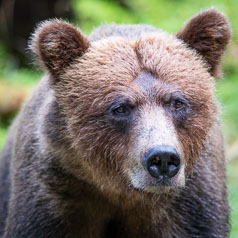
x=208 y=33
x=56 y=44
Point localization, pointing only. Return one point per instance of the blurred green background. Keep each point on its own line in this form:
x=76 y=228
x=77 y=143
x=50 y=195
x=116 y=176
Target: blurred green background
x=18 y=76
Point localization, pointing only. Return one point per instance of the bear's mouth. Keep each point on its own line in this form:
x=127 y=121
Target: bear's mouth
x=142 y=180
x=164 y=180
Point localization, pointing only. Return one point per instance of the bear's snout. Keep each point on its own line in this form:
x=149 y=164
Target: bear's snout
x=162 y=162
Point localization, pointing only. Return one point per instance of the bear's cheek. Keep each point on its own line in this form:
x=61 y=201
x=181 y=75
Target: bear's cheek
x=193 y=134
x=102 y=142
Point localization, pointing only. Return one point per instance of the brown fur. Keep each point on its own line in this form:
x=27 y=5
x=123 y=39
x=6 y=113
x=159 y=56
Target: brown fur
x=56 y=41
x=209 y=33
x=76 y=167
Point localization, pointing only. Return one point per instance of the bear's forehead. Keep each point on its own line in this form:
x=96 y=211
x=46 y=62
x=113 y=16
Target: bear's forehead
x=119 y=61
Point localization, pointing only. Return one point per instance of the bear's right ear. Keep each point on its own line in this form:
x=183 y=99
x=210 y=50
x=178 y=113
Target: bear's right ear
x=57 y=43
x=208 y=33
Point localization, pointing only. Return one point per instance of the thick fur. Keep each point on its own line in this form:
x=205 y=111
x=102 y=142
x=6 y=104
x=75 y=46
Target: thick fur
x=57 y=44
x=71 y=168
x=209 y=33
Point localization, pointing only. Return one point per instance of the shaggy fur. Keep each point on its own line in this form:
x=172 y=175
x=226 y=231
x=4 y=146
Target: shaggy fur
x=58 y=40
x=72 y=165
x=209 y=33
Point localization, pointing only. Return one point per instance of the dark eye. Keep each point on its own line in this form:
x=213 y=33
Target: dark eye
x=178 y=105
x=120 y=110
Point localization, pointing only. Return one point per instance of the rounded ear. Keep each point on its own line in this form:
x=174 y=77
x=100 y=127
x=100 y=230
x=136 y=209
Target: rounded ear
x=208 y=33
x=57 y=44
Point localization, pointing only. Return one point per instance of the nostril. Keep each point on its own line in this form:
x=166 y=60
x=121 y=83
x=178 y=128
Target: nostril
x=172 y=170
x=162 y=161
x=156 y=160
x=173 y=165
x=174 y=159
x=153 y=165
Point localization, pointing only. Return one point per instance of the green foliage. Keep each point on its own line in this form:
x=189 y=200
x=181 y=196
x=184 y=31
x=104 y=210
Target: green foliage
x=3 y=132
x=168 y=15
x=232 y=169
x=24 y=76
x=3 y=57
x=91 y=13
x=227 y=93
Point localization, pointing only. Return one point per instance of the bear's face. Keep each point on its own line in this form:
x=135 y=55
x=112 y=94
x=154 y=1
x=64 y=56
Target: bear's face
x=137 y=111
x=140 y=95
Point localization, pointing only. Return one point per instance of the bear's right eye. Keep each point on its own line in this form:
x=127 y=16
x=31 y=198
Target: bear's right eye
x=178 y=105
x=121 y=110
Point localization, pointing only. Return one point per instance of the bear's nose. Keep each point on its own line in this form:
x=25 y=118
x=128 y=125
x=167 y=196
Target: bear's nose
x=162 y=161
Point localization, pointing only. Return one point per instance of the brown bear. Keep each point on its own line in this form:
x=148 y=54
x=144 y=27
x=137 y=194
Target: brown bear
x=121 y=138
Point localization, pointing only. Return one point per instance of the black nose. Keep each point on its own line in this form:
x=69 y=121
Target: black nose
x=162 y=161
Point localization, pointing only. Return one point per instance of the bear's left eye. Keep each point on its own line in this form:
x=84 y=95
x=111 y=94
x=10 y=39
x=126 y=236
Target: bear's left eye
x=120 y=110
x=178 y=105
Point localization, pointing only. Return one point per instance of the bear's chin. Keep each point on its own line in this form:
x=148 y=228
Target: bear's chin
x=160 y=189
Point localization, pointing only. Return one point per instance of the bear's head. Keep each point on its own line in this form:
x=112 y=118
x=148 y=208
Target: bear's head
x=138 y=111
